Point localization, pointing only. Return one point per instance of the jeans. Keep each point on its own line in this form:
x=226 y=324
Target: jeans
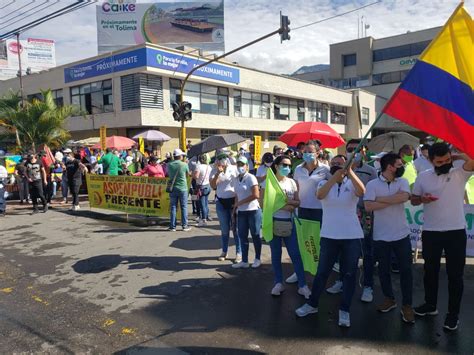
x=36 y=189
x=64 y=187
x=225 y=222
x=74 y=187
x=249 y=220
x=349 y=251
x=204 y=202
x=291 y=243
x=23 y=188
x=312 y=214
x=3 y=202
x=454 y=245
x=181 y=196
x=368 y=256
x=402 y=249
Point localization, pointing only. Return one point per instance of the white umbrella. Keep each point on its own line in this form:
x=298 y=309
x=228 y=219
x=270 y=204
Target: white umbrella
x=153 y=135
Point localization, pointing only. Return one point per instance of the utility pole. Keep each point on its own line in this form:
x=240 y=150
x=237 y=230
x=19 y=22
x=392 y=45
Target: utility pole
x=284 y=35
x=18 y=47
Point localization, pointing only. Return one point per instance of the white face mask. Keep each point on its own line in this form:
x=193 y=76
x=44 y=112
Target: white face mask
x=241 y=170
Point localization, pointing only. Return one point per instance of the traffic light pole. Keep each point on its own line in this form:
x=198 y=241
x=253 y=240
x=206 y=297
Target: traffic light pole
x=183 y=128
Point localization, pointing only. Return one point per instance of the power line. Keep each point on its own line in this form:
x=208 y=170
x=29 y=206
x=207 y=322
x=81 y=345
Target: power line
x=24 y=13
x=338 y=15
x=4 y=6
x=22 y=7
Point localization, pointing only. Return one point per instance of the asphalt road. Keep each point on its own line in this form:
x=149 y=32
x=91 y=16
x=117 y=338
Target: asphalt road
x=93 y=283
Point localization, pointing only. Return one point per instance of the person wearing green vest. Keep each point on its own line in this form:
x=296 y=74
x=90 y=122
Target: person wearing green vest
x=470 y=191
x=110 y=163
x=407 y=152
x=178 y=171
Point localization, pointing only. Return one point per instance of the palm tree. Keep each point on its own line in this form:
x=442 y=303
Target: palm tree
x=37 y=122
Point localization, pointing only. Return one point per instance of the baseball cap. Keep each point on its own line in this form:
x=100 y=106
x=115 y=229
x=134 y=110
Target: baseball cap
x=178 y=152
x=67 y=150
x=242 y=159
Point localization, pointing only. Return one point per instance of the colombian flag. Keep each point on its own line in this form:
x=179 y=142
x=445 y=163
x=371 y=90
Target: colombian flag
x=437 y=94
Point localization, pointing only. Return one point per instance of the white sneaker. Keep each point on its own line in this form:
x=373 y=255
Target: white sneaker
x=367 y=294
x=305 y=310
x=344 y=319
x=305 y=292
x=277 y=289
x=336 y=267
x=78 y=207
x=336 y=288
x=256 y=263
x=238 y=258
x=202 y=223
x=292 y=279
x=241 y=265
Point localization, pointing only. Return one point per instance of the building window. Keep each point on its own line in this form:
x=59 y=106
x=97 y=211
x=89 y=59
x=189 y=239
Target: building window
x=338 y=114
x=349 y=59
x=94 y=97
x=58 y=97
x=365 y=116
x=318 y=112
x=141 y=90
x=212 y=100
x=407 y=50
x=251 y=104
x=246 y=134
x=289 y=109
x=274 y=136
x=36 y=96
x=205 y=133
x=389 y=78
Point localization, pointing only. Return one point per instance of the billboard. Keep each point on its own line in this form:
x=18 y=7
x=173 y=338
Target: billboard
x=122 y=24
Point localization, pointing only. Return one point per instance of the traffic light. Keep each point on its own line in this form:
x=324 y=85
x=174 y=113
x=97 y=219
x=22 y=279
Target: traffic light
x=284 y=28
x=182 y=112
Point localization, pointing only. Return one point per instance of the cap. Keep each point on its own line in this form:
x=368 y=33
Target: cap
x=379 y=156
x=67 y=151
x=178 y=152
x=242 y=159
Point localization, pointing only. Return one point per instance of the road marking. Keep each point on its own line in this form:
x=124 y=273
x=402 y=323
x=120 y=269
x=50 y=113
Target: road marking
x=128 y=331
x=7 y=290
x=108 y=322
x=38 y=299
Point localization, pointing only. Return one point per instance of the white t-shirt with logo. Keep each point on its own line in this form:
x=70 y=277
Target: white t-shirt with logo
x=289 y=188
x=243 y=189
x=447 y=213
x=204 y=174
x=340 y=212
x=226 y=181
x=390 y=223
x=308 y=184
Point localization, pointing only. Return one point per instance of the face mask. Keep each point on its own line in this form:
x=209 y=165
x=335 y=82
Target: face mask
x=400 y=171
x=268 y=165
x=241 y=170
x=309 y=157
x=333 y=169
x=284 y=170
x=443 y=169
x=377 y=165
x=69 y=158
x=407 y=158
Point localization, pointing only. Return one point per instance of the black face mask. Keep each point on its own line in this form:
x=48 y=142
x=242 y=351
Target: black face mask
x=443 y=169
x=333 y=169
x=399 y=172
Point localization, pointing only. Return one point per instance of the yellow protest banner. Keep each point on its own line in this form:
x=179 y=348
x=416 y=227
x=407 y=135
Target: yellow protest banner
x=141 y=144
x=103 y=137
x=257 y=142
x=129 y=194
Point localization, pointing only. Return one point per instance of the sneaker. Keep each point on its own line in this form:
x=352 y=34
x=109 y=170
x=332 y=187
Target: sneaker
x=222 y=257
x=256 y=263
x=305 y=310
x=202 y=223
x=277 y=289
x=45 y=208
x=241 y=265
x=78 y=207
x=238 y=258
x=305 y=292
x=63 y=202
x=72 y=208
x=451 y=322
x=292 y=279
x=425 y=310
x=408 y=315
x=209 y=219
x=336 y=267
x=367 y=295
x=171 y=229
x=336 y=288
x=387 y=305
x=186 y=228
x=344 y=319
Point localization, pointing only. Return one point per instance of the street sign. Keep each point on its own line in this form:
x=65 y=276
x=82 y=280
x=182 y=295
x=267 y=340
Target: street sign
x=103 y=137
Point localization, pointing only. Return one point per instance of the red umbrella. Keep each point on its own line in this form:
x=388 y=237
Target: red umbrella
x=118 y=142
x=304 y=131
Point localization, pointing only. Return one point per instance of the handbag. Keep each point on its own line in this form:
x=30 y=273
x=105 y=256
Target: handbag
x=282 y=228
x=170 y=183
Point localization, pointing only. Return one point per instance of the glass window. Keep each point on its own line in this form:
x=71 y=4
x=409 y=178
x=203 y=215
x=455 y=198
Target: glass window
x=205 y=133
x=407 y=50
x=349 y=59
x=251 y=104
x=274 y=136
x=338 y=114
x=365 y=116
x=388 y=78
x=288 y=109
x=92 y=98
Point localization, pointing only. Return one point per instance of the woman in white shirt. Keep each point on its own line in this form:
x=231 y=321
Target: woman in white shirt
x=201 y=174
x=249 y=214
x=341 y=234
x=284 y=229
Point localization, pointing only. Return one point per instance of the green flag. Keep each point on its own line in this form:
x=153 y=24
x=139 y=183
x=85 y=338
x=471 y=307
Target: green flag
x=273 y=200
x=470 y=190
x=308 y=242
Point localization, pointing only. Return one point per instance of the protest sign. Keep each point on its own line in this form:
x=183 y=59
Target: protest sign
x=308 y=242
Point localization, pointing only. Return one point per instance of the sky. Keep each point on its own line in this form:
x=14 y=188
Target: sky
x=76 y=36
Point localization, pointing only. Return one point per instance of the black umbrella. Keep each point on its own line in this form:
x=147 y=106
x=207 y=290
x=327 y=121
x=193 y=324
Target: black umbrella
x=214 y=142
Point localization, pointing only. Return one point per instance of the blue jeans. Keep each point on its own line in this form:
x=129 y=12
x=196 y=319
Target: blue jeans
x=204 y=202
x=182 y=197
x=249 y=221
x=225 y=222
x=291 y=243
x=312 y=214
x=3 y=203
x=64 y=187
x=402 y=250
x=349 y=250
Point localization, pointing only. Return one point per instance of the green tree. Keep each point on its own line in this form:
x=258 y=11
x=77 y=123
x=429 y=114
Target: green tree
x=37 y=122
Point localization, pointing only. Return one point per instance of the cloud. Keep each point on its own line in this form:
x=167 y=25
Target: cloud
x=245 y=20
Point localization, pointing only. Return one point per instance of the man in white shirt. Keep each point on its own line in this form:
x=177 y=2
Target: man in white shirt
x=441 y=191
x=422 y=163
x=385 y=196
